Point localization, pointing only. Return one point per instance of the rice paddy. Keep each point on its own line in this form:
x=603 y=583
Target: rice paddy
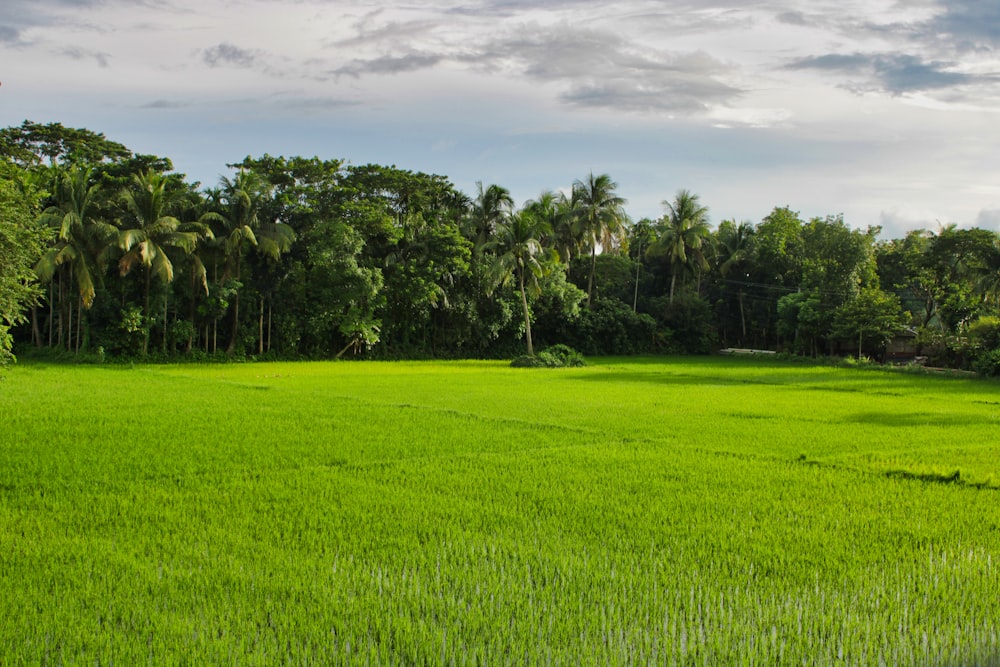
x=643 y=511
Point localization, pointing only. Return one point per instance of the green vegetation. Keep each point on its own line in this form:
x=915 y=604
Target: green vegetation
x=688 y=511
x=315 y=258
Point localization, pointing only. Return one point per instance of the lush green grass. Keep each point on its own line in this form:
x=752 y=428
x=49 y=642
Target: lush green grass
x=709 y=511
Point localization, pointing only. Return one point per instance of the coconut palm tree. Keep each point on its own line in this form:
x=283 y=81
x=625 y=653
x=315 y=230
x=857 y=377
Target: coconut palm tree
x=492 y=204
x=733 y=242
x=684 y=235
x=519 y=256
x=83 y=243
x=600 y=218
x=151 y=230
x=554 y=210
x=243 y=226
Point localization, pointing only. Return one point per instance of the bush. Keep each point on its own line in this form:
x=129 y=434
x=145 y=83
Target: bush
x=611 y=327
x=987 y=364
x=556 y=356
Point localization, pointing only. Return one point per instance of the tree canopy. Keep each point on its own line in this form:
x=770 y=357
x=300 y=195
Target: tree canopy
x=312 y=257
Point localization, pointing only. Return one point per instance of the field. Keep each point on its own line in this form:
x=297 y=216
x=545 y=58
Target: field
x=650 y=511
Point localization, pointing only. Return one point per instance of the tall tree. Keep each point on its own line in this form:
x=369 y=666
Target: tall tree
x=600 y=218
x=733 y=250
x=684 y=236
x=21 y=239
x=244 y=226
x=84 y=243
x=491 y=206
x=519 y=255
x=150 y=230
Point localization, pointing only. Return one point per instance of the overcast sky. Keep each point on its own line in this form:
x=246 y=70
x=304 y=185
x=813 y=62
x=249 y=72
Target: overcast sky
x=887 y=112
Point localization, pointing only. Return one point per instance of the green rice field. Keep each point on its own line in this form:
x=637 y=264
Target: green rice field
x=695 y=511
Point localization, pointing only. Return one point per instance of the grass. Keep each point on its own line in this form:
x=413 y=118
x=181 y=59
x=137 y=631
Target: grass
x=647 y=511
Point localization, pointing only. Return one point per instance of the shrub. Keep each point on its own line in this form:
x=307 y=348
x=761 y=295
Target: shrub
x=987 y=364
x=556 y=356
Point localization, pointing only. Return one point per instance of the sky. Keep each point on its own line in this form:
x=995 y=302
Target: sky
x=886 y=112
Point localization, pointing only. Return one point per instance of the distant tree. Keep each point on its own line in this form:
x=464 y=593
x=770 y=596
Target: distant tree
x=874 y=315
x=489 y=209
x=32 y=144
x=519 y=256
x=83 y=242
x=733 y=253
x=149 y=231
x=554 y=209
x=21 y=240
x=684 y=235
x=242 y=226
x=599 y=217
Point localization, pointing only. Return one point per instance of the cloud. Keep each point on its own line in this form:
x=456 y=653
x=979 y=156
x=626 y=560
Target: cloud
x=602 y=69
x=9 y=35
x=968 y=24
x=894 y=73
x=77 y=53
x=389 y=64
x=795 y=18
x=162 y=104
x=229 y=54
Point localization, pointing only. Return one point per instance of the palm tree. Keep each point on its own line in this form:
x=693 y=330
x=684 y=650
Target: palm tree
x=243 y=227
x=152 y=231
x=684 y=233
x=733 y=248
x=83 y=242
x=600 y=218
x=492 y=204
x=554 y=210
x=518 y=255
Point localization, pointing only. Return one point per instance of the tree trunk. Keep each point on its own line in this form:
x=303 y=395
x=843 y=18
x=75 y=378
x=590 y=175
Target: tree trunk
x=593 y=270
x=69 y=321
x=260 y=328
x=194 y=313
x=638 y=265
x=164 y=323
x=236 y=313
x=269 y=305
x=79 y=319
x=52 y=314
x=36 y=334
x=527 y=316
x=673 y=280
x=145 y=314
x=743 y=319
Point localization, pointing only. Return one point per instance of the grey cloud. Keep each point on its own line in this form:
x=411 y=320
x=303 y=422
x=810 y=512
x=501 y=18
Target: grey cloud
x=602 y=69
x=793 y=18
x=318 y=103
x=229 y=54
x=970 y=24
x=895 y=73
x=77 y=53
x=162 y=104
x=9 y=35
x=389 y=64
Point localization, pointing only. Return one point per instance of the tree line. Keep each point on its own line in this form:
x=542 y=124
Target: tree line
x=316 y=258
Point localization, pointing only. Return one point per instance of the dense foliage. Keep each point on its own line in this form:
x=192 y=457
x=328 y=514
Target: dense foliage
x=690 y=511
x=313 y=258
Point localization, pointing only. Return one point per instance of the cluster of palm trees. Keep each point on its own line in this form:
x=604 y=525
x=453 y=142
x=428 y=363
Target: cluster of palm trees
x=151 y=227
x=556 y=228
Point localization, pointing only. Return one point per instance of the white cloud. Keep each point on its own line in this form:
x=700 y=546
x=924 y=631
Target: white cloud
x=887 y=113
